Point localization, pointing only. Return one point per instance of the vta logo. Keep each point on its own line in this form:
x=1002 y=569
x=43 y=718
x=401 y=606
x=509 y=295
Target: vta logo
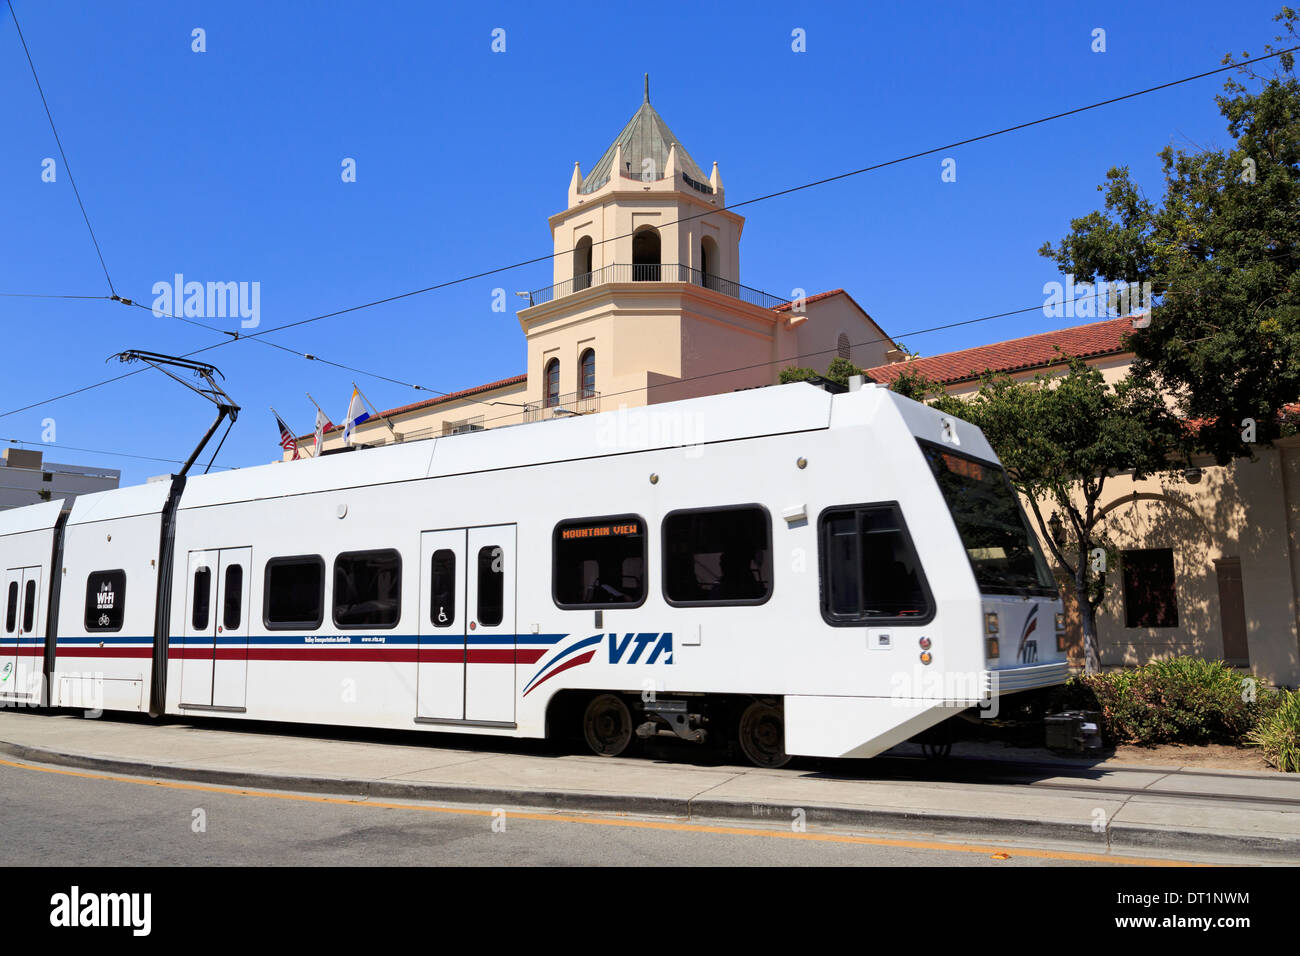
x=8 y=669
x=637 y=644
x=1028 y=650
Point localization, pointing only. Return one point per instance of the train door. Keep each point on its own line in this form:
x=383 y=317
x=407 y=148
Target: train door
x=29 y=662
x=214 y=666
x=440 y=683
x=11 y=608
x=230 y=662
x=467 y=626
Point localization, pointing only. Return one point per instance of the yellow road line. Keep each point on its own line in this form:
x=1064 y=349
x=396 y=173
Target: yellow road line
x=617 y=822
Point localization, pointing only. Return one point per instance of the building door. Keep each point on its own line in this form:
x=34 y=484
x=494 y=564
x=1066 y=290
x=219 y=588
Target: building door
x=1232 y=612
x=21 y=643
x=214 y=663
x=466 y=659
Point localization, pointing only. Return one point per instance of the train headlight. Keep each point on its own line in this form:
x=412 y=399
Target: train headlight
x=925 y=643
x=991 y=622
x=926 y=657
x=992 y=643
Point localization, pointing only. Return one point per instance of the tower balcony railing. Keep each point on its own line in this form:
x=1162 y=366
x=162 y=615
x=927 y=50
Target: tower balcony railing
x=655 y=272
x=564 y=406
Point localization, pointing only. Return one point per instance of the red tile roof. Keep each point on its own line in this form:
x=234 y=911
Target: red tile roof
x=1015 y=355
x=815 y=298
x=428 y=402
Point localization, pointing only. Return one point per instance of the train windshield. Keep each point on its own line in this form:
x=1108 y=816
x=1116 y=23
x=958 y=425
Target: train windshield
x=1003 y=551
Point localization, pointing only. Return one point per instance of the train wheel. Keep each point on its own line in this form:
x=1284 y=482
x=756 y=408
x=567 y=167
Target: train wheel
x=607 y=725
x=762 y=734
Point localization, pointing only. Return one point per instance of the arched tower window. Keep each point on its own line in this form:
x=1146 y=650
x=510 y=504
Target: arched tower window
x=553 y=383
x=645 y=255
x=709 y=264
x=582 y=264
x=587 y=374
x=843 y=346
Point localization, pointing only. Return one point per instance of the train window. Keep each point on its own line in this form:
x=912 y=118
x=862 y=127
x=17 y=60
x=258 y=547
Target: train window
x=29 y=607
x=718 y=556
x=442 y=588
x=201 y=605
x=491 y=585
x=11 y=615
x=368 y=589
x=295 y=593
x=105 y=600
x=233 y=606
x=870 y=573
x=600 y=562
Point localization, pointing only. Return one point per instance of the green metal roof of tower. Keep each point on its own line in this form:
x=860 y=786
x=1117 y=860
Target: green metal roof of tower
x=646 y=136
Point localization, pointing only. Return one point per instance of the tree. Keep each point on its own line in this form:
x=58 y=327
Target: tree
x=1222 y=254
x=1050 y=431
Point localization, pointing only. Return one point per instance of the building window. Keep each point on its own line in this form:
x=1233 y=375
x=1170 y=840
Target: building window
x=1150 y=599
x=842 y=346
x=491 y=585
x=105 y=600
x=709 y=263
x=718 y=556
x=587 y=374
x=870 y=573
x=582 y=264
x=442 y=588
x=233 y=606
x=600 y=562
x=295 y=593
x=645 y=255
x=367 y=589
x=202 y=603
x=463 y=426
x=553 y=383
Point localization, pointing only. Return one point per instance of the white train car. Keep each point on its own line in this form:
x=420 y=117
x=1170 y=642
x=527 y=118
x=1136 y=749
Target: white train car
x=801 y=572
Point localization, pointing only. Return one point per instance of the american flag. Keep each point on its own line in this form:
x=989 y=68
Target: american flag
x=287 y=441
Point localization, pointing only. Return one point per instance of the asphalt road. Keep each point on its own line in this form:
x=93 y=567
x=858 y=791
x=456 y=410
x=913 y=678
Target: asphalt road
x=82 y=818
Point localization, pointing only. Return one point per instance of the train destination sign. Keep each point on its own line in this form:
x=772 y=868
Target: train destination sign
x=602 y=531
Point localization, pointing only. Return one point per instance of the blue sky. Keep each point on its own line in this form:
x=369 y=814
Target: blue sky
x=225 y=166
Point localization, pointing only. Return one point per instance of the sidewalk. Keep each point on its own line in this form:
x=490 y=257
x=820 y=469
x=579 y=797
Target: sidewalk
x=1228 y=814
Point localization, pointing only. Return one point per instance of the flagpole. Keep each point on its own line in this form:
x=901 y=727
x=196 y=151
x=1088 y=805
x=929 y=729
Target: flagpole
x=280 y=419
x=378 y=414
x=316 y=448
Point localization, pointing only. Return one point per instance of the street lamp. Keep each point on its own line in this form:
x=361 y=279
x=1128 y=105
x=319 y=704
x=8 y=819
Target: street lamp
x=1057 y=529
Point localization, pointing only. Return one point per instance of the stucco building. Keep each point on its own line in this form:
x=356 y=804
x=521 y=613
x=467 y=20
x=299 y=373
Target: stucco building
x=646 y=304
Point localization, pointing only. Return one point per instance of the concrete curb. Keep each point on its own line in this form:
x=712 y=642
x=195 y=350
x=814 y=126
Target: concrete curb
x=1120 y=837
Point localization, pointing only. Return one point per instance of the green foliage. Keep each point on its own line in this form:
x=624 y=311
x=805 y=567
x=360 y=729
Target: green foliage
x=796 y=374
x=840 y=370
x=1222 y=252
x=1179 y=700
x=1278 y=733
x=914 y=385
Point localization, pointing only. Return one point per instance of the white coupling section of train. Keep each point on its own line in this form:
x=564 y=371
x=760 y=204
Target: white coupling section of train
x=782 y=569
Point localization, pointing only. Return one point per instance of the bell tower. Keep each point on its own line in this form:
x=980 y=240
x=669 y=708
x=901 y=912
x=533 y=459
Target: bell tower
x=646 y=203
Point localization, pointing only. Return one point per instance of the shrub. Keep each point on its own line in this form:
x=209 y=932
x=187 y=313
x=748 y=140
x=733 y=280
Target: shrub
x=1179 y=700
x=1277 y=734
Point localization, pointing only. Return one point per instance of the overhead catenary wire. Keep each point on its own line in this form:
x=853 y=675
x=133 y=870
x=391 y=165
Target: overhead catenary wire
x=67 y=167
x=234 y=337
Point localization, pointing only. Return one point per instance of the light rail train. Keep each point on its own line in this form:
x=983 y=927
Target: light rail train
x=797 y=572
